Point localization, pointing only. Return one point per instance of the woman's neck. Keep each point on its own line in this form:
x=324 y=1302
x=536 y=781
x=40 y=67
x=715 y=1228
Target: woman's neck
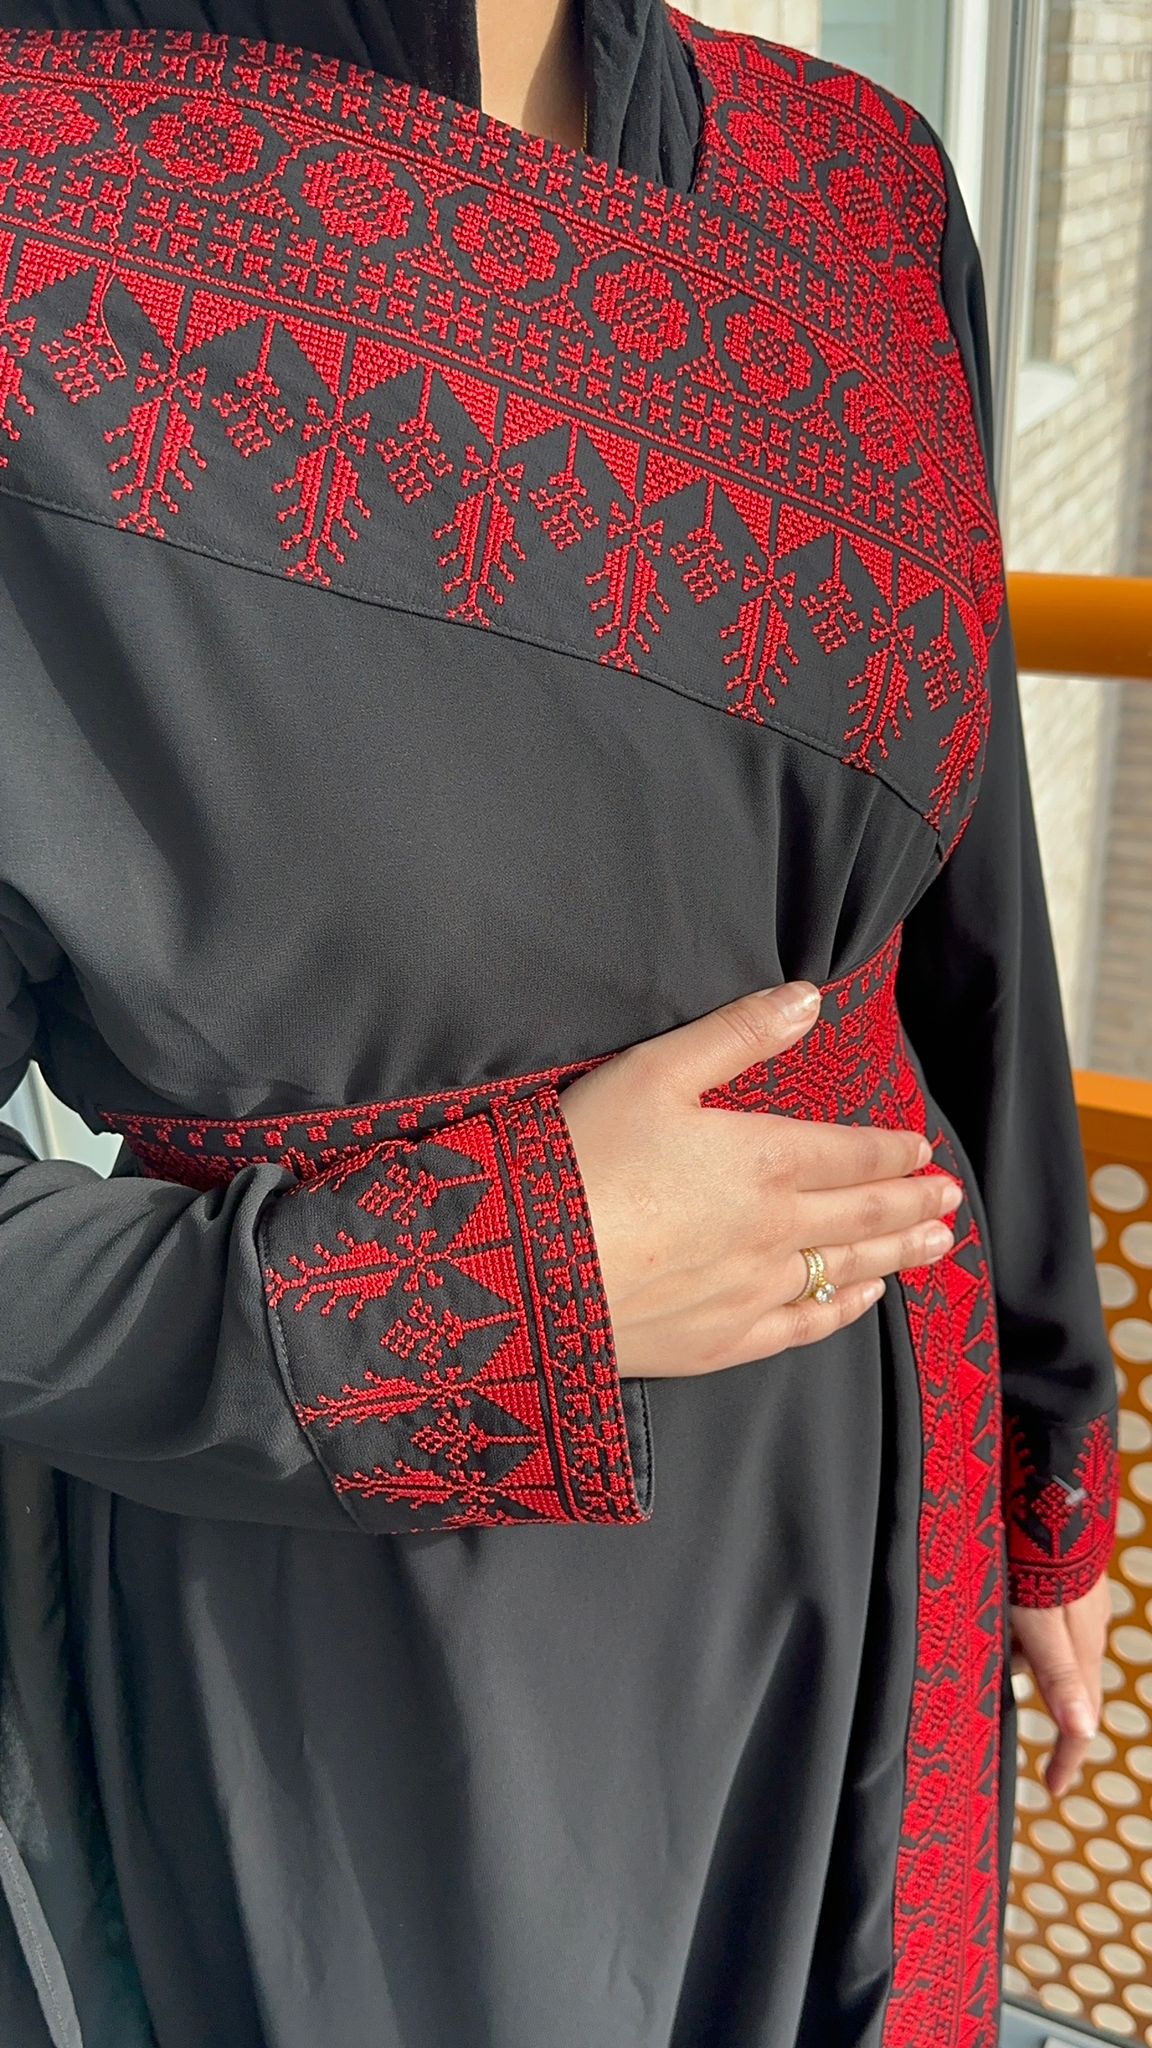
x=532 y=66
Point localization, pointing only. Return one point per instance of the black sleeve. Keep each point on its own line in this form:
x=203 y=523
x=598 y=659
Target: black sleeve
x=980 y=999
x=252 y=1353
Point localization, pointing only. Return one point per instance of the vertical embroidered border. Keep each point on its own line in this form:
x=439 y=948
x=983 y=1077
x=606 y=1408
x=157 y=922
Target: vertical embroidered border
x=945 y=1989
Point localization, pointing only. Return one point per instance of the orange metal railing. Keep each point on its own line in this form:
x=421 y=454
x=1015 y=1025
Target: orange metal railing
x=1082 y=625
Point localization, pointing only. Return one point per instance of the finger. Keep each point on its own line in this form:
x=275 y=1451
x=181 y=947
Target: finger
x=879 y=1256
x=876 y=1210
x=1047 y=1643
x=711 y=1050
x=1088 y=1623
x=808 y=1322
x=826 y=1155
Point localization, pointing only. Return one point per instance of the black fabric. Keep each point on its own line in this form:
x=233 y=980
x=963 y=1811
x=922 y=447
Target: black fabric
x=980 y=994
x=263 y=847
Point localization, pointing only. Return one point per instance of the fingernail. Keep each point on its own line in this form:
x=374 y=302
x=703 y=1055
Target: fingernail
x=1081 y=1719
x=952 y=1196
x=798 y=1000
x=939 y=1238
x=924 y=1154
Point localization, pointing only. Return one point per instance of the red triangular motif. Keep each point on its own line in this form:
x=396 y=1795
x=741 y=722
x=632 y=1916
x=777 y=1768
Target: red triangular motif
x=323 y=347
x=665 y=474
x=41 y=266
x=916 y=582
x=479 y=397
x=620 y=457
x=525 y=419
x=756 y=509
x=375 y=363
x=214 y=313
x=877 y=559
x=797 y=529
x=158 y=299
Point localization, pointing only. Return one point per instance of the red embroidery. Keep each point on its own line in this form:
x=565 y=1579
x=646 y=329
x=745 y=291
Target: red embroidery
x=205 y=1152
x=475 y=1430
x=1061 y=1524
x=420 y=1262
x=946 y=1983
x=854 y=1064
x=260 y=302
x=311 y=320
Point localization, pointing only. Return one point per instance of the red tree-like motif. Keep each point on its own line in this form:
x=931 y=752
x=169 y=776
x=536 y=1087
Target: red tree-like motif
x=485 y=552
x=626 y=602
x=161 y=443
x=761 y=657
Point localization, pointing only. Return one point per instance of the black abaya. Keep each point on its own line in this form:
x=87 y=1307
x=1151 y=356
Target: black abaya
x=467 y=606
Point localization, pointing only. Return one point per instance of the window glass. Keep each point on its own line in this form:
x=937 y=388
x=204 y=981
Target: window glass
x=1078 y=500
x=901 y=43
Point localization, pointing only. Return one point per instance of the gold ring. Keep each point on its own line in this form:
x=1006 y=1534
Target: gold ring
x=817 y=1287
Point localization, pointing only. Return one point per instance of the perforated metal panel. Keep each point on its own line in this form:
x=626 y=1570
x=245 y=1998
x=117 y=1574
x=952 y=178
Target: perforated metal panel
x=1080 y=1907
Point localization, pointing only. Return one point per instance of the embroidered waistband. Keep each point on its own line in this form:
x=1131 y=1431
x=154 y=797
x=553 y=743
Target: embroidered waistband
x=851 y=1067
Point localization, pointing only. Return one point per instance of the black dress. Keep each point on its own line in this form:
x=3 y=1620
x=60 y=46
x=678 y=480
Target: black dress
x=467 y=606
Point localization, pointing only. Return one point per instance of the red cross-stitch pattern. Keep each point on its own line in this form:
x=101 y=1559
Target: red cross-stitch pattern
x=1061 y=1524
x=854 y=1065
x=308 y=319
x=503 y=1396
x=947 y=1966
x=494 y=1386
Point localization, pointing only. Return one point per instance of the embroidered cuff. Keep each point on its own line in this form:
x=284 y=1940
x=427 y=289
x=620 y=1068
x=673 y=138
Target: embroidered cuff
x=1061 y=1486
x=440 y=1318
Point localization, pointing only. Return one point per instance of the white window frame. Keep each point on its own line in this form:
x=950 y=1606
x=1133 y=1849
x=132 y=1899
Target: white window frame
x=996 y=82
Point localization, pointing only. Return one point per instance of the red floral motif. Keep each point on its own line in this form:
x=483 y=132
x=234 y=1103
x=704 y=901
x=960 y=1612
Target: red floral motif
x=357 y=196
x=921 y=306
x=566 y=511
x=160 y=454
x=870 y=204
x=832 y=610
x=252 y=412
x=84 y=358
x=771 y=354
x=322 y=507
x=886 y=436
x=482 y=552
x=41 y=123
x=506 y=243
x=203 y=141
x=641 y=309
x=763 y=143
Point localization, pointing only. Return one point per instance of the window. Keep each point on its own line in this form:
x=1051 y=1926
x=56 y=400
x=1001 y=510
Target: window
x=901 y=43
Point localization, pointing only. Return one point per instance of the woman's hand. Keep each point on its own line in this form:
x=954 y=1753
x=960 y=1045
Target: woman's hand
x=1063 y=1647
x=699 y=1214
